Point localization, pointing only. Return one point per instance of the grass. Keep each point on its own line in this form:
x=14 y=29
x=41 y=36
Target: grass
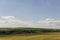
x=44 y=36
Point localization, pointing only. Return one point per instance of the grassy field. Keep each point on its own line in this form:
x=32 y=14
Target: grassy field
x=44 y=36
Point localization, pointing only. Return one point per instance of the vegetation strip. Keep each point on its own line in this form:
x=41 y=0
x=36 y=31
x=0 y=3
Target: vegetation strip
x=9 y=31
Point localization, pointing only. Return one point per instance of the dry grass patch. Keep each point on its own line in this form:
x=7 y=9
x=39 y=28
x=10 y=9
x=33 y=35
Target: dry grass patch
x=46 y=36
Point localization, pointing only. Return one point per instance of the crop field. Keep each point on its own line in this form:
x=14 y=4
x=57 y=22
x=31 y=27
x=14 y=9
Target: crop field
x=44 y=36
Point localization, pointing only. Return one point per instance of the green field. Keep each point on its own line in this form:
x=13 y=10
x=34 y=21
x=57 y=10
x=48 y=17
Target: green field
x=44 y=36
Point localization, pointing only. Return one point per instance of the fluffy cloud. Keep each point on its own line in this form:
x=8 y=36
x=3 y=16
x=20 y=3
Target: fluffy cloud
x=7 y=17
x=49 y=23
x=11 y=21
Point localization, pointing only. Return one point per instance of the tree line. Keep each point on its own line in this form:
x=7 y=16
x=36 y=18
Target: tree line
x=27 y=31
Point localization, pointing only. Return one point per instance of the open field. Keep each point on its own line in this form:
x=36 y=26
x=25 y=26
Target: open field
x=45 y=36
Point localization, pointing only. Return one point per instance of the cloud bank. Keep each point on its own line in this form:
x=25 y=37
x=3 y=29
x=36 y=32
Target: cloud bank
x=11 y=22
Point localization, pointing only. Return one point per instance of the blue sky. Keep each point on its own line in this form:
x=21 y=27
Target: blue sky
x=30 y=13
x=30 y=9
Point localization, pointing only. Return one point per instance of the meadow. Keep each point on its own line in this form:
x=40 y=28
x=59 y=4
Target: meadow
x=29 y=34
x=44 y=36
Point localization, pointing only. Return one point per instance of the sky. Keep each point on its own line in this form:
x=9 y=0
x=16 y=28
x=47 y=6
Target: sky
x=30 y=13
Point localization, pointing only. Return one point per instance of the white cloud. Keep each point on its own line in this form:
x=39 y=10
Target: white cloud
x=7 y=17
x=49 y=23
x=11 y=21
